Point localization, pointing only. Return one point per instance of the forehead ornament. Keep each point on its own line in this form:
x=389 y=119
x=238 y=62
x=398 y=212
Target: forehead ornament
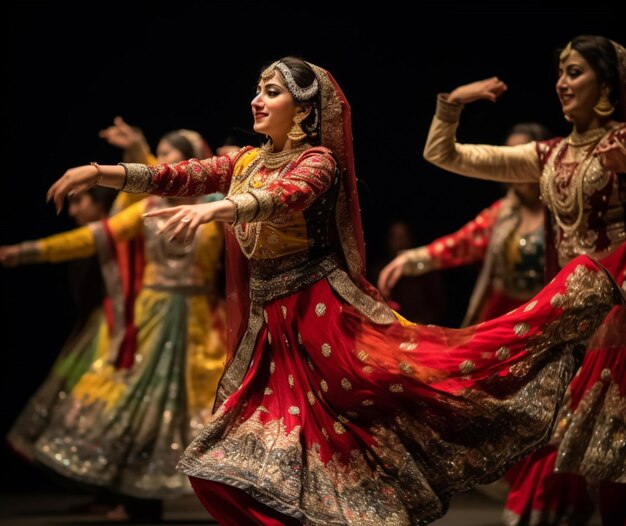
x=299 y=93
x=566 y=51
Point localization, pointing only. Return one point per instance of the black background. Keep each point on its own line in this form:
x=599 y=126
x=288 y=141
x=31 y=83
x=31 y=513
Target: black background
x=67 y=72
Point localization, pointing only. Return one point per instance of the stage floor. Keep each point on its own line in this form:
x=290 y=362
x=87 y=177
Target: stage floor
x=54 y=509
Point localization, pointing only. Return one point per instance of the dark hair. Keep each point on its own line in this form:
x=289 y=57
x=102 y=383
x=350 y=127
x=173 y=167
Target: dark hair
x=104 y=196
x=600 y=53
x=181 y=143
x=533 y=130
x=304 y=76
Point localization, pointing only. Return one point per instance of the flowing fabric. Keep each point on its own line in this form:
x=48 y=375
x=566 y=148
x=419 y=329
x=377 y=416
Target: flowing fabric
x=80 y=350
x=586 y=211
x=334 y=410
x=131 y=410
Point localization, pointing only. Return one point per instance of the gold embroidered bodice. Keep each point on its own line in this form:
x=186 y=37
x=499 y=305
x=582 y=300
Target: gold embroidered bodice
x=293 y=236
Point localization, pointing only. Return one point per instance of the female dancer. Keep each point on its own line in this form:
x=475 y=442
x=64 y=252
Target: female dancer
x=331 y=409
x=583 y=184
x=151 y=382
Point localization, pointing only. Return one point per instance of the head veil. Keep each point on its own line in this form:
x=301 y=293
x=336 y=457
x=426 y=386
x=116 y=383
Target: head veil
x=336 y=135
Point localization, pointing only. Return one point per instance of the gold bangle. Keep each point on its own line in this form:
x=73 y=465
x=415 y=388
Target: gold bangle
x=99 y=169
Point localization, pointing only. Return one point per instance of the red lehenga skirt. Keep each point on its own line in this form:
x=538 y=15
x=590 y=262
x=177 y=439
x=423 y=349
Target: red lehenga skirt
x=336 y=412
x=585 y=464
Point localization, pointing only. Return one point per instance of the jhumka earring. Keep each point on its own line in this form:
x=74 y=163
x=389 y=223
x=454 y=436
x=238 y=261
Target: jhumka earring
x=297 y=133
x=603 y=107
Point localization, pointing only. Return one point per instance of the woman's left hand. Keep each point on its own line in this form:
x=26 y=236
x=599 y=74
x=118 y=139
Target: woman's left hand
x=613 y=153
x=183 y=221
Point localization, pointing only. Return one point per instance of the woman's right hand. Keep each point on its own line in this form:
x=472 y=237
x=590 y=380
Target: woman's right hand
x=391 y=274
x=122 y=135
x=10 y=256
x=72 y=182
x=489 y=89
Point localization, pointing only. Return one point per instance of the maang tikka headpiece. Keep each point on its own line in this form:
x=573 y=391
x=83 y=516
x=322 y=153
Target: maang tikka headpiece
x=566 y=51
x=299 y=93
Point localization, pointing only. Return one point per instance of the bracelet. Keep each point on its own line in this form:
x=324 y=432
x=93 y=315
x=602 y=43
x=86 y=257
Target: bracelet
x=99 y=176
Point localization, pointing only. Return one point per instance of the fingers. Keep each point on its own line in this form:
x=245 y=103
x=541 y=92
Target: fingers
x=191 y=229
x=182 y=225
x=172 y=222
x=163 y=212
x=59 y=198
x=9 y=256
x=51 y=191
x=385 y=280
x=118 y=121
x=57 y=193
x=393 y=278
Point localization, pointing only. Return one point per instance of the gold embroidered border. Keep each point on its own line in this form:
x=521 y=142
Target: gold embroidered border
x=137 y=178
x=376 y=311
x=236 y=370
x=263 y=290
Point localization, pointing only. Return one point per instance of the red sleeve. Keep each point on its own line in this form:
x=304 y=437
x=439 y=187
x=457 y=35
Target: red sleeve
x=545 y=148
x=468 y=244
x=193 y=177
x=297 y=189
x=312 y=174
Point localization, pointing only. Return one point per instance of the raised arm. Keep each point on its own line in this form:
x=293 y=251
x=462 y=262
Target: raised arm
x=481 y=161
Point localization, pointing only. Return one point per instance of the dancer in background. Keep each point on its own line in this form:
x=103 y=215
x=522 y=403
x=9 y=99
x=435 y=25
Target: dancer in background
x=583 y=185
x=151 y=385
x=87 y=291
x=331 y=408
x=507 y=238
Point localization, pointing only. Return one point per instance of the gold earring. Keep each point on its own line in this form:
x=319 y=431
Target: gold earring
x=603 y=107
x=297 y=133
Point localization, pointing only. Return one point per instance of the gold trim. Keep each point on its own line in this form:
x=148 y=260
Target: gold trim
x=375 y=311
x=448 y=111
x=137 y=178
x=236 y=370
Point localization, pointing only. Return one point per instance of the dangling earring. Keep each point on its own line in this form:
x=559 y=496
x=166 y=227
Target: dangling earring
x=296 y=133
x=603 y=107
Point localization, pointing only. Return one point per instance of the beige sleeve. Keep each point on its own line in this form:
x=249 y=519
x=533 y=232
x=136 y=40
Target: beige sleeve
x=495 y=163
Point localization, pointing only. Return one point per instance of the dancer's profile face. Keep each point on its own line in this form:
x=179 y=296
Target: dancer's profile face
x=166 y=153
x=577 y=87
x=273 y=108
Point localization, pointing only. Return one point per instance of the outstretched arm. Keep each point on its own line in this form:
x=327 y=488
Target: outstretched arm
x=74 y=244
x=187 y=178
x=295 y=190
x=495 y=163
x=463 y=247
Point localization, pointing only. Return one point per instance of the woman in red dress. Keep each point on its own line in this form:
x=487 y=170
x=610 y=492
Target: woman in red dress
x=583 y=185
x=332 y=409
